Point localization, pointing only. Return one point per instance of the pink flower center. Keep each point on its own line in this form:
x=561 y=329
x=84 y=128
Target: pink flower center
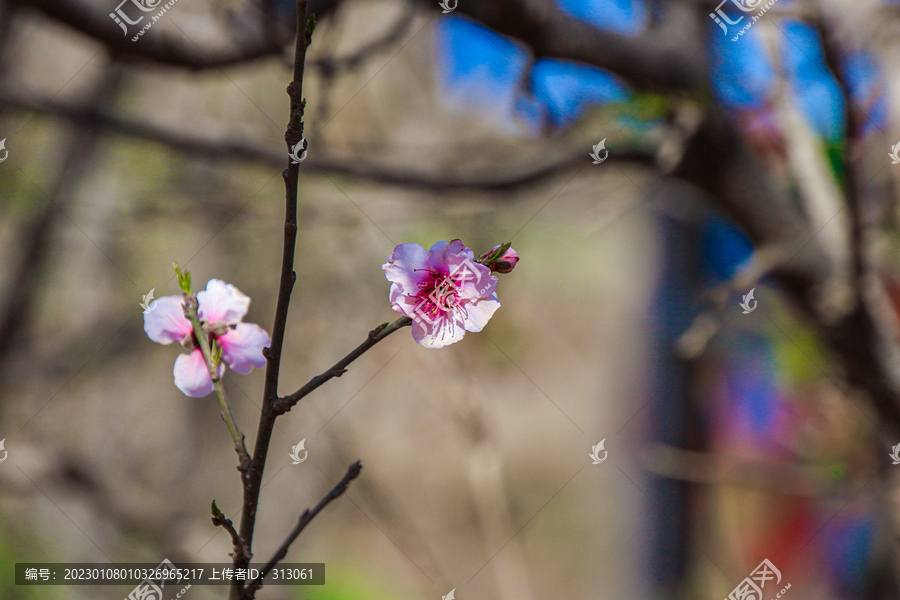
x=437 y=294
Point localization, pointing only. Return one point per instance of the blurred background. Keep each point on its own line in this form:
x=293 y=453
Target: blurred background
x=737 y=427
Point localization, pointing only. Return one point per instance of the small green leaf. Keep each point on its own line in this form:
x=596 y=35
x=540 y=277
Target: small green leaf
x=496 y=254
x=184 y=279
x=215 y=511
x=311 y=25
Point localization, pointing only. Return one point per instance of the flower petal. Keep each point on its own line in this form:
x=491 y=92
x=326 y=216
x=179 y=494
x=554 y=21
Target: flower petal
x=442 y=331
x=401 y=302
x=477 y=314
x=406 y=267
x=441 y=252
x=242 y=347
x=167 y=323
x=222 y=302
x=472 y=280
x=192 y=375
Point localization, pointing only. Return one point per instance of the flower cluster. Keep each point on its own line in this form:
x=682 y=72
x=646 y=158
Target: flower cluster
x=221 y=308
x=446 y=292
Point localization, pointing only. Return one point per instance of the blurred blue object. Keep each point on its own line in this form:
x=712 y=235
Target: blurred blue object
x=755 y=403
x=482 y=70
x=725 y=248
x=847 y=547
x=623 y=16
x=742 y=75
x=479 y=69
x=567 y=89
x=863 y=76
x=816 y=89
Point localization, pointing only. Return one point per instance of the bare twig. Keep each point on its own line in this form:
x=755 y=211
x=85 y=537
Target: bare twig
x=376 y=335
x=307 y=516
x=220 y=520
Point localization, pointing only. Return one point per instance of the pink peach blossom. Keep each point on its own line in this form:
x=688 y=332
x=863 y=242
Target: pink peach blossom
x=222 y=306
x=443 y=290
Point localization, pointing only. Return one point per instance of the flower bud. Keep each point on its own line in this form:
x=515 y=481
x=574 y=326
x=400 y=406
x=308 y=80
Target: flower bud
x=506 y=262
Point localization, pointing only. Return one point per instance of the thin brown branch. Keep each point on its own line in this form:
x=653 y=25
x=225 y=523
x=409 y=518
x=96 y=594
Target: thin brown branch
x=252 y=479
x=307 y=516
x=285 y=404
x=220 y=520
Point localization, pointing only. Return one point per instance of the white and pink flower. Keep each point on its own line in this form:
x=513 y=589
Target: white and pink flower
x=443 y=290
x=221 y=308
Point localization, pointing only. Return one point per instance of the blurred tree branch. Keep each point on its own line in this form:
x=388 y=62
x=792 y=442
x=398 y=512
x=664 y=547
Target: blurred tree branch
x=350 y=167
x=35 y=237
x=169 y=50
x=329 y=66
